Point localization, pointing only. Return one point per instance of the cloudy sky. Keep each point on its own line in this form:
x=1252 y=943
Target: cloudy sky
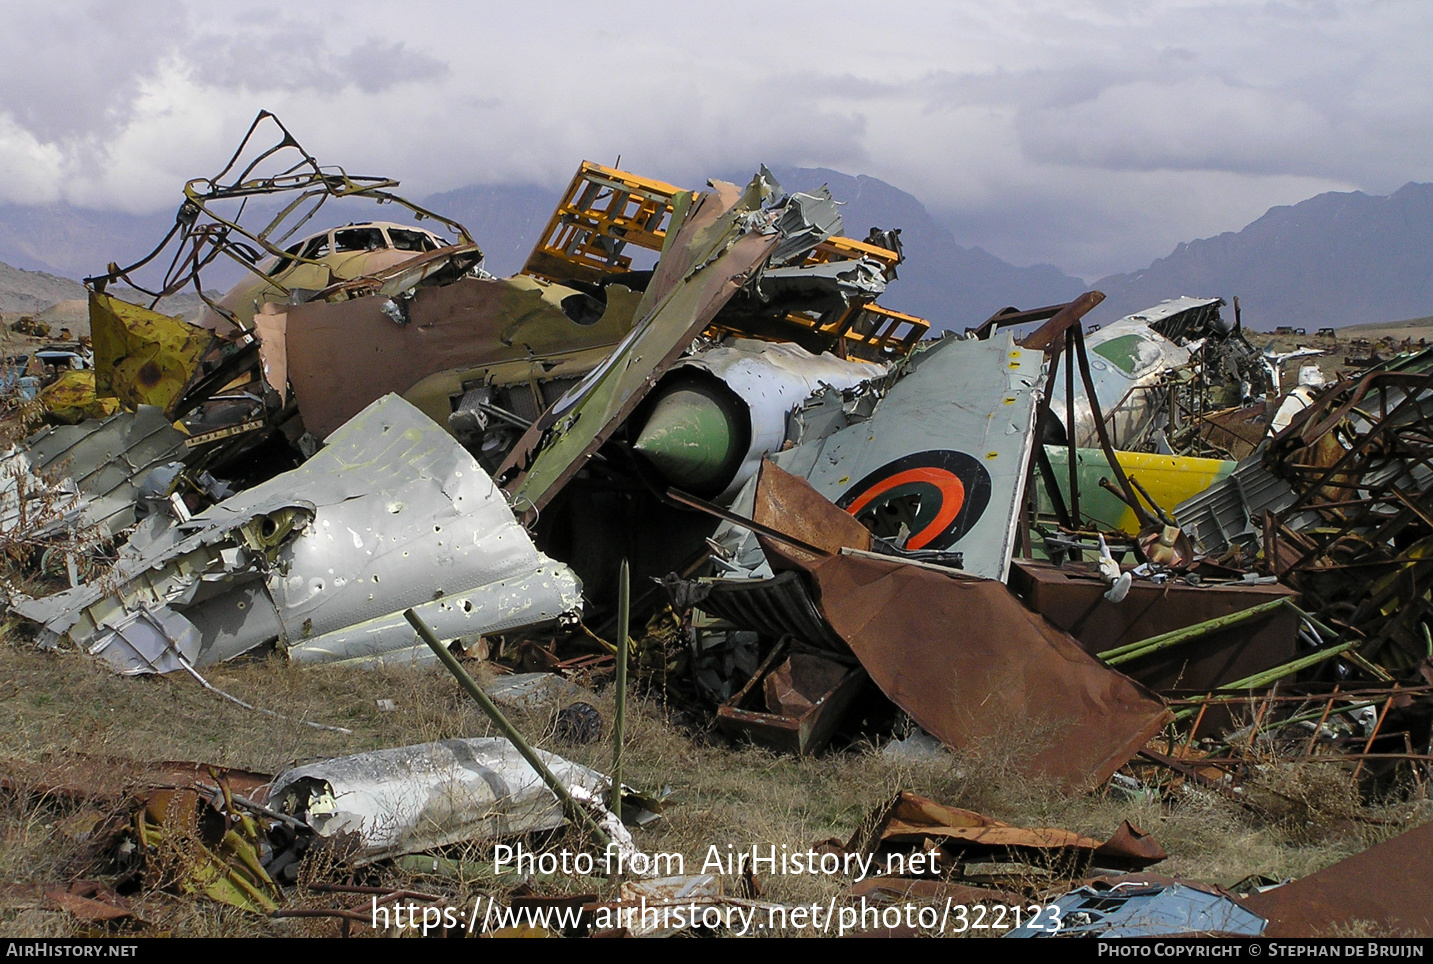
x=1091 y=134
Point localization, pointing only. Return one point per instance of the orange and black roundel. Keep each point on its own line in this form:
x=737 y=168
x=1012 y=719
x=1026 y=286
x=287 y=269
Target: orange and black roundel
x=939 y=495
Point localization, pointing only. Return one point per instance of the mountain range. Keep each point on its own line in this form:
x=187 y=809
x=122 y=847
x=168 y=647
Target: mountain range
x=1332 y=260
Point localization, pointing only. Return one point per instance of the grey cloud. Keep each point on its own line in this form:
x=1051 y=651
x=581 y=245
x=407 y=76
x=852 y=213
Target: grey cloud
x=72 y=69
x=288 y=54
x=1202 y=124
x=376 y=66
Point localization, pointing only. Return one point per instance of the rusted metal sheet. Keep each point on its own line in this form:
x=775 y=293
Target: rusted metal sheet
x=1387 y=885
x=107 y=779
x=789 y=504
x=1072 y=597
x=910 y=822
x=709 y=256
x=795 y=706
x=343 y=355
x=1236 y=431
x=972 y=665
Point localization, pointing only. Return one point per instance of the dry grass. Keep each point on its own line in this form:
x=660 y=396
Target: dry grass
x=54 y=706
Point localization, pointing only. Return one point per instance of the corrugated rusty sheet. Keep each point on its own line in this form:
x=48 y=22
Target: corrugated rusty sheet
x=1388 y=884
x=972 y=665
x=772 y=607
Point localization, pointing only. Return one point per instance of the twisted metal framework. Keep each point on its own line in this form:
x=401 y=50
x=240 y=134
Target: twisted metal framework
x=1361 y=457
x=201 y=233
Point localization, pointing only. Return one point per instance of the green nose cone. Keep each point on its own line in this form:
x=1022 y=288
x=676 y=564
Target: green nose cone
x=689 y=439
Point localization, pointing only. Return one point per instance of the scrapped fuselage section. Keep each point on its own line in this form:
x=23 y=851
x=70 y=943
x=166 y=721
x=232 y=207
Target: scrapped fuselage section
x=322 y=561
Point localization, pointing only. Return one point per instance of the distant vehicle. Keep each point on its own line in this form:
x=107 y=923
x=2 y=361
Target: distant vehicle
x=319 y=260
x=26 y=373
x=1328 y=332
x=1289 y=330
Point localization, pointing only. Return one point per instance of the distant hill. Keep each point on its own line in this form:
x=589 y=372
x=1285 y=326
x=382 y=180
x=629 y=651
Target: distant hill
x=1336 y=259
x=1333 y=260
x=954 y=286
x=31 y=292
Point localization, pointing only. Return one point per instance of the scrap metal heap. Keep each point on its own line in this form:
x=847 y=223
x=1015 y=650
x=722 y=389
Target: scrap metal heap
x=371 y=451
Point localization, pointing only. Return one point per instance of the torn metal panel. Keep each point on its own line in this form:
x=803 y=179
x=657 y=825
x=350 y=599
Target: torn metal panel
x=972 y=665
x=944 y=453
x=709 y=443
x=107 y=460
x=271 y=325
x=324 y=559
x=721 y=238
x=790 y=505
x=1231 y=511
x=342 y=355
x=1169 y=480
x=1136 y=908
x=141 y=356
x=822 y=287
x=71 y=398
x=413 y=798
x=912 y=823
x=1387 y=885
x=1128 y=364
x=1184 y=317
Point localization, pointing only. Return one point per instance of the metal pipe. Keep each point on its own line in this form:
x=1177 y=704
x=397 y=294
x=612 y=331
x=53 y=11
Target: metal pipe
x=619 y=724
x=1129 y=651
x=575 y=811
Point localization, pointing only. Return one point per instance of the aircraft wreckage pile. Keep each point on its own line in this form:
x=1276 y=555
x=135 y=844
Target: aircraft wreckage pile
x=372 y=452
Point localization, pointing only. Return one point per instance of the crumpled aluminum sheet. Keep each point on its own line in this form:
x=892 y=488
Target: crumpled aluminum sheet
x=391 y=514
x=414 y=798
x=100 y=462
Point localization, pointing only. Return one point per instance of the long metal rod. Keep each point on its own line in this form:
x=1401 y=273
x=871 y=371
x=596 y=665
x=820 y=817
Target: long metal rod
x=677 y=495
x=1071 y=442
x=619 y=725
x=1277 y=673
x=574 y=810
x=1129 y=651
x=1115 y=468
